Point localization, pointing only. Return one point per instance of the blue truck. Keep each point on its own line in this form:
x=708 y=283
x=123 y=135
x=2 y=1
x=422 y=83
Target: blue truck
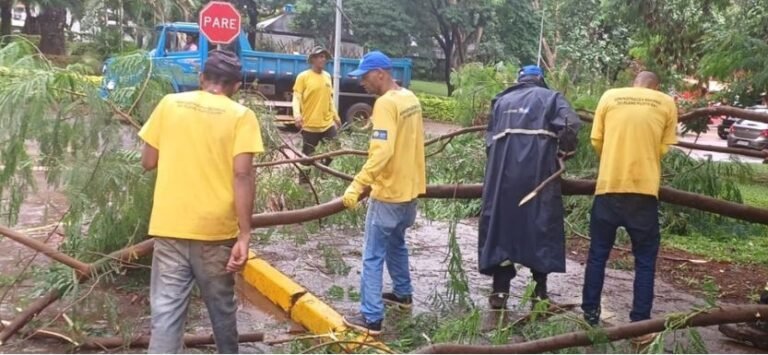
x=181 y=50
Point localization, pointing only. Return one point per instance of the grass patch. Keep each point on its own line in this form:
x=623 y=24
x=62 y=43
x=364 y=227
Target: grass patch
x=754 y=194
x=731 y=248
x=429 y=87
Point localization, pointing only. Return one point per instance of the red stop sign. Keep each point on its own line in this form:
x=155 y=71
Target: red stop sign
x=220 y=22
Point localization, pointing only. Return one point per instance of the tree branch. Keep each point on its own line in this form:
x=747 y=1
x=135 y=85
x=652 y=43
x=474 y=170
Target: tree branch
x=311 y=159
x=736 y=314
x=724 y=110
x=569 y=187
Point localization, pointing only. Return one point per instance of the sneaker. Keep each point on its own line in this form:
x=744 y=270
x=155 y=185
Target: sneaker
x=746 y=333
x=498 y=301
x=392 y=299
x=644 y=340
x=359 y=323
x=592 y=317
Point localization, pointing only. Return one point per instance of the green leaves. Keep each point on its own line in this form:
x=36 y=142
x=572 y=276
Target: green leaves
x=476 y=85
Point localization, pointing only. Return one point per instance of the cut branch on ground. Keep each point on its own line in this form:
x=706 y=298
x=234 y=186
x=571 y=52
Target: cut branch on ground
x=727 y=315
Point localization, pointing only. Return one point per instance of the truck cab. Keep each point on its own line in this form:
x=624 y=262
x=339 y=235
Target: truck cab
x=180 y=51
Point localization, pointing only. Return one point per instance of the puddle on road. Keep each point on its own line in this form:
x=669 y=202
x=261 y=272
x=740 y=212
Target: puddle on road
x=310 y=264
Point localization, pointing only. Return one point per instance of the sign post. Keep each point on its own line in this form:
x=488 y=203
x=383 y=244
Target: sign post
x=220 y=22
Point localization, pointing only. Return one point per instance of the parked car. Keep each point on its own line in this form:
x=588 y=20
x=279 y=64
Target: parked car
x=749 y=134
x=724 y=128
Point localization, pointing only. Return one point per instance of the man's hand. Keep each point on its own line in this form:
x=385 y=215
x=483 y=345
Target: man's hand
x=351 y=195
x=299 y=121
x=239 y=254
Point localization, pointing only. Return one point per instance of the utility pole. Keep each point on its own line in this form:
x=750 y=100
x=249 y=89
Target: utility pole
x=337 y=57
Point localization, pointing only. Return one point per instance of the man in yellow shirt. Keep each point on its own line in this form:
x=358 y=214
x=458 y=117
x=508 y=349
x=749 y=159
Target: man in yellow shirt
x=313 y=107
x=633 y=129
x=395 y=172
x=202 y=144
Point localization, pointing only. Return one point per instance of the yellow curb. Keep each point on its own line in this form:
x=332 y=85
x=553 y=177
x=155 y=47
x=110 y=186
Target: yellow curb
x=316 y=316
x=280 y=289
x=303 y=307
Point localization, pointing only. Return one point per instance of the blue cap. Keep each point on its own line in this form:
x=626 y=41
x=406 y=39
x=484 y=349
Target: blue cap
x=533 y=70
x=372 y=61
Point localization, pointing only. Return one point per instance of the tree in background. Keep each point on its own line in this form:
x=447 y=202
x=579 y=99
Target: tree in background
x=255 y=11
x=736 y=50
x=6 y=16
x=582 y=42
x=511 y=35
x=315 y=17
x=668 y=34
x=457 y=26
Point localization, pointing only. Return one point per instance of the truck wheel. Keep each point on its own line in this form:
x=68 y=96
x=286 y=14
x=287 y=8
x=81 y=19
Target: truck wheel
x=358 y=116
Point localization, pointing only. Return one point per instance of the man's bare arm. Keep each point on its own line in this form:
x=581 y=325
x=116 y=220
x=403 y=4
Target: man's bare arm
x=149 y=157
x=245 y=185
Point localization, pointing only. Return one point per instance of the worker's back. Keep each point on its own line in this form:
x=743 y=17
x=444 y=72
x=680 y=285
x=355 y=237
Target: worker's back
x=197 y=135
x=635 y=125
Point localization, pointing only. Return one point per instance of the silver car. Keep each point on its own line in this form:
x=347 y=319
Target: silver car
x=749 y=134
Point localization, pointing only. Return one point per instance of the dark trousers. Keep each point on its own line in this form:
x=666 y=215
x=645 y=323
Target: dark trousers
x=503 y=275
x=639 y=215
x=310 y=141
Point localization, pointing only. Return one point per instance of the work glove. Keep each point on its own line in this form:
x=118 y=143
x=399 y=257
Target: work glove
x=351 y=195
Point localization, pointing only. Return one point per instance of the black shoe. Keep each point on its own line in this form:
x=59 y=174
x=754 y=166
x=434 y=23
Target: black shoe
x=498 y=301
x=592 y=317
x=359 y=323
x=393 y=300
x=746 y=333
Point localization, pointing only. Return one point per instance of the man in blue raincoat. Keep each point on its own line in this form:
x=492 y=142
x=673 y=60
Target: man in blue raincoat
x=530 y=126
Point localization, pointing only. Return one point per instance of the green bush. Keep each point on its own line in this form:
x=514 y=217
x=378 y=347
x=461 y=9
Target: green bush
x=476 y=85
x=438 y=108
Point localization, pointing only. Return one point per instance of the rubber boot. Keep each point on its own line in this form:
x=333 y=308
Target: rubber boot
x=540 y=290
x=502 y=279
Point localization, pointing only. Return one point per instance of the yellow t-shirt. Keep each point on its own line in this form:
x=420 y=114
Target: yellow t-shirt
x=198 y=134
x=395 y=169
x=313 y=93
x=633 y=129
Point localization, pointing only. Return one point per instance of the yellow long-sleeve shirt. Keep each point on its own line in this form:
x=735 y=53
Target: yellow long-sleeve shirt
x=396 y=167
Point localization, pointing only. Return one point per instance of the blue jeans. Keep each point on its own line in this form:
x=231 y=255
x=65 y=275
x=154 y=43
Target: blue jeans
x=639 y=215
x=385 y=226
x=177 y=264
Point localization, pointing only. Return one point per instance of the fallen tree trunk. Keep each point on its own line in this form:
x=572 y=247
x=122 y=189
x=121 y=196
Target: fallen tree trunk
x=51 y=252
x=569 y=187
x=724 y=111
x=95 y=343
x=762 y=154
x=721 y=316
x=704 y=112
x=123 y=255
